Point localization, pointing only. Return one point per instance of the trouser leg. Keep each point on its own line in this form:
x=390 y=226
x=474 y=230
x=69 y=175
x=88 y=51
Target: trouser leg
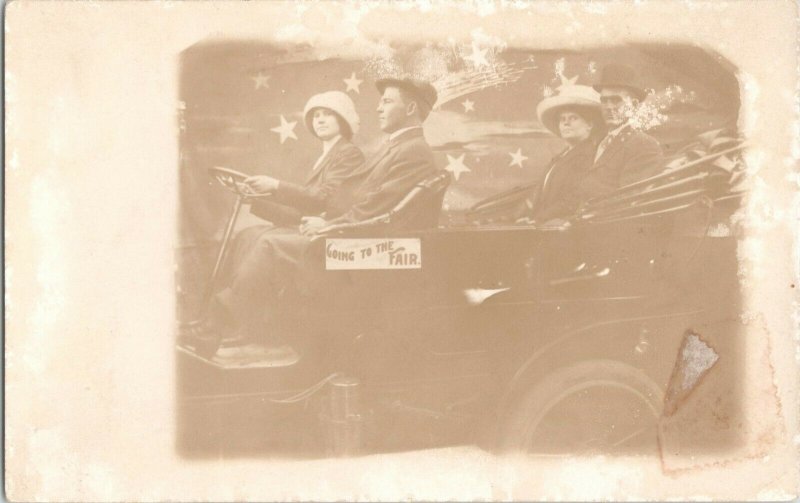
x=259 y=280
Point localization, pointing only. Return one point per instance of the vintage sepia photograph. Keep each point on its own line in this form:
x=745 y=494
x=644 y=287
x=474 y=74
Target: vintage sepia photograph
x=444 y=243
x=401 y=251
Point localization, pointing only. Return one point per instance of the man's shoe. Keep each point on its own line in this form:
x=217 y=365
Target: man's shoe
x=237 y=339
x=201 y=337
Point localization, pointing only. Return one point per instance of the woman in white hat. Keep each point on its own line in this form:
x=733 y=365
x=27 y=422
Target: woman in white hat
x=330 y=116
x=575 y=115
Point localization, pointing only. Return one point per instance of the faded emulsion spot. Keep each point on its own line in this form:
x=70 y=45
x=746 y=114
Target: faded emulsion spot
x=695 y=359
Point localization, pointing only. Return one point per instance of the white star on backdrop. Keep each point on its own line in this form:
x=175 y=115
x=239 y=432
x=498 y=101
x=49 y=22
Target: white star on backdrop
x=286 y=130
x=353 y=83
x=261 y=80
x=566 y=82
x=469 y=106
x=455 y=165
x=517 y=158
x=478 y=56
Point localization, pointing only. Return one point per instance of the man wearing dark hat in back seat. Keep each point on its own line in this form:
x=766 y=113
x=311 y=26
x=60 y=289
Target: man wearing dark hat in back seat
x=626 y=154
x=404 y=159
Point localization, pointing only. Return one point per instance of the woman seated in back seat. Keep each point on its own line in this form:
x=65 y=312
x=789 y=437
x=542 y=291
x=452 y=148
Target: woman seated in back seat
x=574 y=114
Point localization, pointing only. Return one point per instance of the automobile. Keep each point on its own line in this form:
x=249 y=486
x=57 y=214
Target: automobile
x=570 y=337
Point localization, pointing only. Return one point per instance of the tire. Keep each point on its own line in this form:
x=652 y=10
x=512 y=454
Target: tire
x=534 y=417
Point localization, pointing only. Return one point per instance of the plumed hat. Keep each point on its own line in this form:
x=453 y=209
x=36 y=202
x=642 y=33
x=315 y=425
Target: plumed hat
x=580 y=97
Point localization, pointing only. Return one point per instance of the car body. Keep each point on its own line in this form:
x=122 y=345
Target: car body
x=546 y=339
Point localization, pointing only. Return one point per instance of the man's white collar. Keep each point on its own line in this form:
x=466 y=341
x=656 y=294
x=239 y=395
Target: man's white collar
x=401 y=131
x=618 y=129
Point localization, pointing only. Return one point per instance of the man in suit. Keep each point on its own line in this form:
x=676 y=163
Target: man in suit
x=626 y=154
x=270 y=271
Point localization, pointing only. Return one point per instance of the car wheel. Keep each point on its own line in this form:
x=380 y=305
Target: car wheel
x=598 y=406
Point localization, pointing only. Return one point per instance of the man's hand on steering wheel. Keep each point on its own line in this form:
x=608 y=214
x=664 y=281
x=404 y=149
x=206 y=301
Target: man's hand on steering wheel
x=262 y=184
x=310 y=226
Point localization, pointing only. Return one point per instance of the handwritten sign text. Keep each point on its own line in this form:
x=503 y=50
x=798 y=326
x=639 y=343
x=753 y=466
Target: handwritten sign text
x=368 y=253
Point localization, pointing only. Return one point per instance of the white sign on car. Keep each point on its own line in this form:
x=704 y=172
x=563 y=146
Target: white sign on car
x=373 y=253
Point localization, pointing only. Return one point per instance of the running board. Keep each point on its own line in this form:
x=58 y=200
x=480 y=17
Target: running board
x=246 y=357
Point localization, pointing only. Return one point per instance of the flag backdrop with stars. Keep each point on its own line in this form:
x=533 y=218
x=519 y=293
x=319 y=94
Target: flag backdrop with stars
x=240 y=106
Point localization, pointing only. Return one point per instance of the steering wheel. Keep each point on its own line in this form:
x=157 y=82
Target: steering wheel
x=233 y=180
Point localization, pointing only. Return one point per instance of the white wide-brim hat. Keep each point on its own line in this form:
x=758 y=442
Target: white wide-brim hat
x=337 y=101
x=574 y=96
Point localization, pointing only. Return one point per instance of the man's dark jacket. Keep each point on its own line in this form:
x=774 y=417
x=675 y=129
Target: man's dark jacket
x=399 y=165
x=628 y=157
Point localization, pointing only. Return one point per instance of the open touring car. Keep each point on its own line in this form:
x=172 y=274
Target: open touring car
x=568 y=338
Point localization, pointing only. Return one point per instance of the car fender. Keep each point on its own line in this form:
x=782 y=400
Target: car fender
x=565 y=349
